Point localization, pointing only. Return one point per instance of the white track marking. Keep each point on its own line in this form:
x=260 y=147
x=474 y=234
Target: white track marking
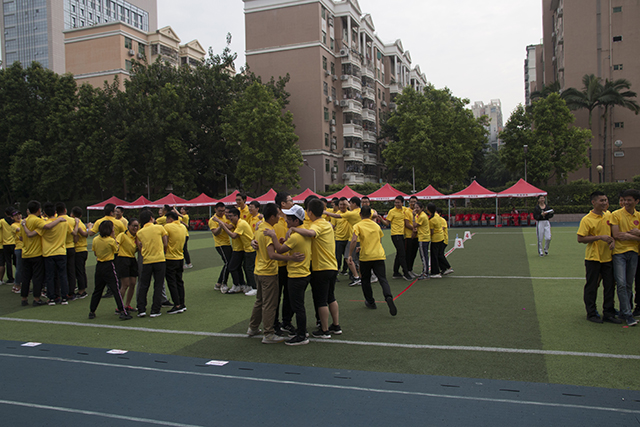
x=516 y=277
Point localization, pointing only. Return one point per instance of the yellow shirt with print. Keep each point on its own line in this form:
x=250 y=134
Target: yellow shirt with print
x=593 y=224
x=53 y=240
x=625 y=222
x=15 y=228
x=370 y=246
x=177 y=235
x=118 y=226
x=253 y=221
x=396 y=218
x=221 y=239
x=424 y=231
x=33 y=245
x=150 y=236
x=343 y=230
x=104 y=248
x=437 y=235
x=265 y=266
x=281 y=232
x=184 y=219
x=8 y=235
x=298 y=243
x=81 y=244
x=127 y=245
x=242 y=243
x=244 y=213
x=323 y=246
x=408 y=215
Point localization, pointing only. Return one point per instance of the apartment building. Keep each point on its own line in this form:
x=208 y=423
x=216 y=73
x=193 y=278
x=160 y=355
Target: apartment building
x=533 y=71
x=493 y=111
x=344 y=79
x=602 y=38
x=34 y=30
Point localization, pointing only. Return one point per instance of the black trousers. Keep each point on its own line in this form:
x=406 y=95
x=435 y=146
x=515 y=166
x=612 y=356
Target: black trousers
x=401 y=258
x=235 y=267
x=283 y=285
x=156 y=270
x=595 y=270
x=10 y=261
x=185 y=250
x=439 y=261
x=412 y=251
x=297 y=288
x=106 y=275
x=175 y=267
x=225 y=254
x=81 y=272
x=341 y=246
x=33 y=269
x=378 y=267
x=637 y=297
x=71 y=270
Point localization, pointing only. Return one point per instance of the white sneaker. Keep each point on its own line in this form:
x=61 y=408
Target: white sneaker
x=272 y=339
x=188 y=266
x=253 y=332
x=235 y=289
x=217 y=287
x=447 y=271
x=224 y=289
x=246 y=288
x=436 y=276
x=251 y=293
x=374 y=278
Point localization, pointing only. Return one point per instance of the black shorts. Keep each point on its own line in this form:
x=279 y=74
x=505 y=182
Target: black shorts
x=126 y=267
x=1 y=259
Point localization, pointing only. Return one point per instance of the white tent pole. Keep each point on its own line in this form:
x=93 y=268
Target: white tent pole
x=496 y=211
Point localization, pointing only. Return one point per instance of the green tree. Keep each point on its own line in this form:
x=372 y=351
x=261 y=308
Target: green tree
x=263 y=140
x=434 y=133
x=554 y=147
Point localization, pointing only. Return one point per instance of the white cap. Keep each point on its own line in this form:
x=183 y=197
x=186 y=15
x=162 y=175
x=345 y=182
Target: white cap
x=296 y=211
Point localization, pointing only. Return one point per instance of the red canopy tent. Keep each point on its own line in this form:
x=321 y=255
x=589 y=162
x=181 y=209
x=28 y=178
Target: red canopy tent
x=473 y=191
x=267 y=197
x=306 y=193
x=140 y=202
x=430 y=193
x=345 y=192
x=170 y=199
x=201 y=200
x=522 y=189
x=386 y=194
x=116 y=201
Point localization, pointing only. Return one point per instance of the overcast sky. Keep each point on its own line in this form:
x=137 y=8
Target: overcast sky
x=476 y=48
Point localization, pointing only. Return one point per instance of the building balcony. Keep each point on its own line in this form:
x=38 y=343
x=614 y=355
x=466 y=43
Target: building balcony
x=352 y=82
x=368 y=115
x=368 y=93
x=394 y=88
x=350 y=129
x=370 y=179
x=353 y=155
x=368 y=136
x=351 y=106
x=370 y=159
x=351 y=178
x=367 y=71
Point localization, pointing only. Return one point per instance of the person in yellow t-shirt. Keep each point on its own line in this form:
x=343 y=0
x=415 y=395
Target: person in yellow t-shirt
x=55 y=257
x=412 y=244
x=15 y=229
x=8 y=245
x=119 y=215
x=109 y=215
x=352 y=216
x=222 y=244
x=439 y=264
x=396 y=218
x=266 y=274
x=423 y=231
x=241 y=203
x=243 y=256
x=105 y=248
x=445 y=228
x=69 y=246
x=80 y=245
x=126 y=262
x=183 y=215
x=283 y=201
x=372 y=258
x=625 y=228
x=595 y=232
x=256 y=217
x=152 y=243
x=177 y=236
x=342 y=231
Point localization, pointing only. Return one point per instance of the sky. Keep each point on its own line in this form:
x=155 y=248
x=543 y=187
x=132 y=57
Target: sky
x=475 y=48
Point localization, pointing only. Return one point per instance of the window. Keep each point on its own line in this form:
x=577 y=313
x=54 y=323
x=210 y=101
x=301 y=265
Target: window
x=383 y=96
x=326 y=114
x=323 y=12
x=327 y=165
x=325 y=88
x=326 y=140
x=335 y=165
x=324 y=38
x=324 y=63
x=617 y=67
x=617 y=39
x=73 y=22
x=617 y=9
x=128 y=43
x=618 y=125
x=379 y=93
x=333 y=92
x=333 y=116
x=333 y=69
x=127 y=65
x=333 y=44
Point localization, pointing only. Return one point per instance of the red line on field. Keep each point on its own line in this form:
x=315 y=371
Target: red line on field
x=406 y=289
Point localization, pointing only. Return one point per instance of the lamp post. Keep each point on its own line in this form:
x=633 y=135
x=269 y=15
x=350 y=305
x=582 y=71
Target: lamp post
x=306 y=163
x=599 y=169
x=414 y=179
x=526 y=149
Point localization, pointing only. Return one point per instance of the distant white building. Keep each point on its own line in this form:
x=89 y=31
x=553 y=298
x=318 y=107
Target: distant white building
x=493 y=111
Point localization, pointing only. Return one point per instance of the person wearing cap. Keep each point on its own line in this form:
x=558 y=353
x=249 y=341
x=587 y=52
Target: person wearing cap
x=299 y=272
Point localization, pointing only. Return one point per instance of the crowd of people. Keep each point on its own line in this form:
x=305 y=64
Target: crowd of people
x=273 y=252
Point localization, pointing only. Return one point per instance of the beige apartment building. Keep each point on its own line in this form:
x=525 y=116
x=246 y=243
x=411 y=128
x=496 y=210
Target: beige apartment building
x=598 y=37
x=343 y=80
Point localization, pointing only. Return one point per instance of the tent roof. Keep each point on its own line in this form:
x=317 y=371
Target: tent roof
x=522 y=189
x=140 y=202
x=201 y=200
x=430 y=193
x=385 y=194
x=473 y=191
x=116 y=201
x=231 y=198
x=170 y=199
x=267 y=197
x=345 y=192
x=306 y=193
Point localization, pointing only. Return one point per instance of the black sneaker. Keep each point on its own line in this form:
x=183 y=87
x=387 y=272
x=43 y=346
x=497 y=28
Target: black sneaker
x=108 y=294
x=371 y=305
x=595 y=319
x=38 y=303
x=290 y=329
x=155 y=314
x=72 y=297
x=631 y=321
x=407 y=277
x=297 y=340
x=92 y=315
x=611 y=319
x=125 y=316
x=81 y=295
x=636 y=312
x=392 y=306
x=319 y=333
x=64 y=302
x=335 y=329
x=167 y=303
x=142 y=314
x=25 y=302
x=397 y=276
x=175 y=310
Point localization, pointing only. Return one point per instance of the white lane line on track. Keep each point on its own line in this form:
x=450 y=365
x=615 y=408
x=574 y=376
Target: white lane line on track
x=516 y=277
x=348 y=342
x=332 y=386
x=93 y=413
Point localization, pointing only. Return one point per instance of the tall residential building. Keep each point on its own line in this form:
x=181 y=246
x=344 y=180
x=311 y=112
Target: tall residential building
x=533 y=71
x=601 y=38
x=493 y=111
x=343 y=80
x=33 y=30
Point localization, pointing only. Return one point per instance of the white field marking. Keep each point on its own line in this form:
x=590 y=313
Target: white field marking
x=329 y=386
x=334 y=341
x=93 y=413
x=517 y=277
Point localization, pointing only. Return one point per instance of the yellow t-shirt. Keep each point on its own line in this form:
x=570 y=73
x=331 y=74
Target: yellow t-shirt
x=221 y=239
x=625 y=222
x=185 y=220
x=307 y=221
x=127 y=245
x=161 y=220
x=177 y=235
x=396 y=218
x=596 y=225
x=242 y=243
x=437 y=235
x=152 y=247
x=118 y=226
x=8 y=235
x=370 y=246
x=445 y=230
x=15 y=229
x=33 y=245
x=265 y=266
x=253 y=220
x=323 y=246
x=298 y=243
x=53 y=240
x=68 y=242
x=424 y=232
x=244 y=213
x=104 y=248
x=81 y=244
x=408 y=215
x=343 y=230
x=125 y=221
x=352 y=217
x=281 y=232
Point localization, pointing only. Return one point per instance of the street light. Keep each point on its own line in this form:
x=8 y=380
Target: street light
x=526 y=149
x=306 y=163
x=599 y=169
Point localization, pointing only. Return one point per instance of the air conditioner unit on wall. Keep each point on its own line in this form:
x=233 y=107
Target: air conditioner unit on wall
x=333 y=129
x=140 y=56
x=334 y=176
x=327 y=73
x=333 y=122
x=344 y=77
x=334 y=77
x=344 y=52
x=336 y=103
x=344 y=176
x=132 y=52
x=344 y=103
x=335 y=169
x=329 y=99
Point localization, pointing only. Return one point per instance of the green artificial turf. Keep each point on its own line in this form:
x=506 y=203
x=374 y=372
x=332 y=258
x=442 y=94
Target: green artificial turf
x=484 y=312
